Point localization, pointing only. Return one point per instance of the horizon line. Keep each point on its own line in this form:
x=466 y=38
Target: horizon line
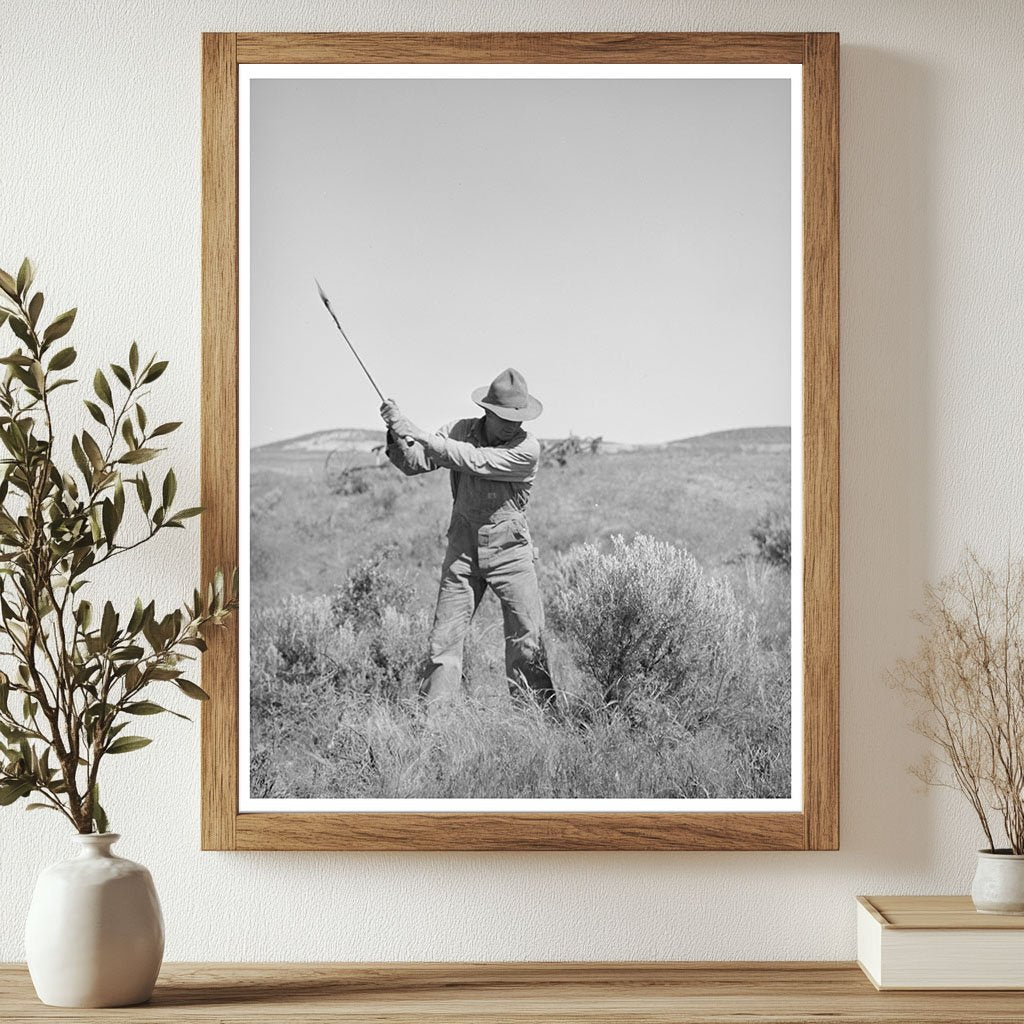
x=639 y=444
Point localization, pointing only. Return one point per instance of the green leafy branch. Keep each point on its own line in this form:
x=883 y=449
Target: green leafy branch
x=81 y=675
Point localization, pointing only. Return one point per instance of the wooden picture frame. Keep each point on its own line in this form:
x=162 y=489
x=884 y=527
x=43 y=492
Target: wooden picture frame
x=816 y=826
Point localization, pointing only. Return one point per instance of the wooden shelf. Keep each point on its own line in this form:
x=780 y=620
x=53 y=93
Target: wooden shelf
x=680 y=993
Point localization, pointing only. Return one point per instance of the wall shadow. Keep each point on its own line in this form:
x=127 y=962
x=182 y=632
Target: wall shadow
x=887 y=275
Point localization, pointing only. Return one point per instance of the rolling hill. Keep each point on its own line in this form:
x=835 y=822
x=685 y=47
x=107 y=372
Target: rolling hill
x=356 y=439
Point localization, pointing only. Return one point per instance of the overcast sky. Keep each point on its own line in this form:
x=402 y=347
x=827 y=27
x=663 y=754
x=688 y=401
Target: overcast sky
x=623 y=243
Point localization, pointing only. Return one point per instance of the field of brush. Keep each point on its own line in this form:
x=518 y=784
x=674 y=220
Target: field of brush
x=344 y=576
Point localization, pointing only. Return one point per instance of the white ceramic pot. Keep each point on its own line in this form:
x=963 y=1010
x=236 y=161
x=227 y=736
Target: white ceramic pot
x=999 y=882
x=95 y=933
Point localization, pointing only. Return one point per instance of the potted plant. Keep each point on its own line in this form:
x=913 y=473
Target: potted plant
x=967 y=680
x=82 y=671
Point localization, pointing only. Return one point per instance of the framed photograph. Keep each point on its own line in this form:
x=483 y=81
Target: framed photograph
x=520 y=420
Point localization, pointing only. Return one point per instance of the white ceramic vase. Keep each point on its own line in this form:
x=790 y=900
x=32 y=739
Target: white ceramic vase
x=95 y=933
x=999 y=882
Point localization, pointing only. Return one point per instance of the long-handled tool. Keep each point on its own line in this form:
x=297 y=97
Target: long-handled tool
x=327 y=302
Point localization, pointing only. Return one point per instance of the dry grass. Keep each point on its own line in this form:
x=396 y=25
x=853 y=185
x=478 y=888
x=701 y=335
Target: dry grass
x=333 y=700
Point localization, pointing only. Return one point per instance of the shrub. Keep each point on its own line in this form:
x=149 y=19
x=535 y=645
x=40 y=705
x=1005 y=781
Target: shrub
x=296 y=638
x=351 y=484
x=359 y=641
x=771 y=535
x=645 y=616
x=388 y=498
x=371 y=588
x=394 y=652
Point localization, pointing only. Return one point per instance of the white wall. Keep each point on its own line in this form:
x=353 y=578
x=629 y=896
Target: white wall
x=100 y=183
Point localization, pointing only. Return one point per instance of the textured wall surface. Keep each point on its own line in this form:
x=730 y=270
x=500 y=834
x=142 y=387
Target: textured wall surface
x=100 y=183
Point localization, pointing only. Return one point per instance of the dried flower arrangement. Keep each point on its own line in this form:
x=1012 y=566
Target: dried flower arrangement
x=967 y=680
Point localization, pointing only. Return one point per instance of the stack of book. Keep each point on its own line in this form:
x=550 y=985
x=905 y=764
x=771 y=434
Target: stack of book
x=938 y=942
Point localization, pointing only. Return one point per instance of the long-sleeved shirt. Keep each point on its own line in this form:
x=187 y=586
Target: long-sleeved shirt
x=488 y=481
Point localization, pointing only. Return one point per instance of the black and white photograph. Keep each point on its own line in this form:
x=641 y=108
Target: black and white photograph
x=520 y=373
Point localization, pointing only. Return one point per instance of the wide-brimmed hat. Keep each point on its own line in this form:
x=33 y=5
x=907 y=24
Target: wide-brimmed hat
x=508 y=397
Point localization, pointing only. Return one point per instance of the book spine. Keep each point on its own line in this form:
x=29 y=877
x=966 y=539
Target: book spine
x=869 y=945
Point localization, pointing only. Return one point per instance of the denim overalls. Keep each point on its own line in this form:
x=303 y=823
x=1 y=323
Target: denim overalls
x=489 y=545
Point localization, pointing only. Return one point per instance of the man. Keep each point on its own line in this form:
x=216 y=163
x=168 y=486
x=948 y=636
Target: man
x=493 y=462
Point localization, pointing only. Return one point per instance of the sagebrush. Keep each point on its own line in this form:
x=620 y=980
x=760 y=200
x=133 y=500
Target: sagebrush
x=771 y=535
x=336 y=709
x=645 y=611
